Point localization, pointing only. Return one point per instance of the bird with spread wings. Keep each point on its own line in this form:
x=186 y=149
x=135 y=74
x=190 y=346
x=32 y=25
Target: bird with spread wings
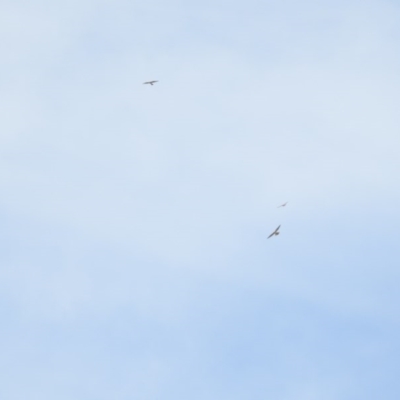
x=275 y=232
x=149 y=83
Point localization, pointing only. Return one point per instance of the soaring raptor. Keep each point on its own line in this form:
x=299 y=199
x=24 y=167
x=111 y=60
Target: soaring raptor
x=275 y=232
x=149 y=83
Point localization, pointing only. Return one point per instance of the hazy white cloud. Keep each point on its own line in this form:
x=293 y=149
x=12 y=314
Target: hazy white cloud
x=123 y=202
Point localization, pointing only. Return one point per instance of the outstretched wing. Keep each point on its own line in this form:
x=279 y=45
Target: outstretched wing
x=276 y=230
x=272 y=234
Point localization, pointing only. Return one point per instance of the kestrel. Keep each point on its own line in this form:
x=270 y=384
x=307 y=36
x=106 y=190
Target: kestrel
x=275 y=232
x=283 y=205
x=149 y=83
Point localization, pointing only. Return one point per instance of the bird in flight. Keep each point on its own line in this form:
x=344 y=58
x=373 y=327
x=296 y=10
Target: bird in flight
x=283 y=205
x=275 y=232
x=149 y=83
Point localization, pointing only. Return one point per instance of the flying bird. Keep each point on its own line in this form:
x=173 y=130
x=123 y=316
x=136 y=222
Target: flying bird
x=275 y=232
x=149 y=83
x=283 y=205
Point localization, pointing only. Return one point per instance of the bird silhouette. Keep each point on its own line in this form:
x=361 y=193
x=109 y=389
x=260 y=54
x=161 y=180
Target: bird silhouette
x=149 y=83
x=275 y=232
x=283 y=205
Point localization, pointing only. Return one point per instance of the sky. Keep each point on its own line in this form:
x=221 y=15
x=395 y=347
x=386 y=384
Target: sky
x=134 y=258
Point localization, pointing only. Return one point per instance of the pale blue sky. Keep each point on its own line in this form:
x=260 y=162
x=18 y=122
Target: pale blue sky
x=134 y=219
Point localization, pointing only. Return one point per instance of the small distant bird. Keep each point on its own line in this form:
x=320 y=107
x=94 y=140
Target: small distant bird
x=275 y=232
x=149 y=83
x=283 y=205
